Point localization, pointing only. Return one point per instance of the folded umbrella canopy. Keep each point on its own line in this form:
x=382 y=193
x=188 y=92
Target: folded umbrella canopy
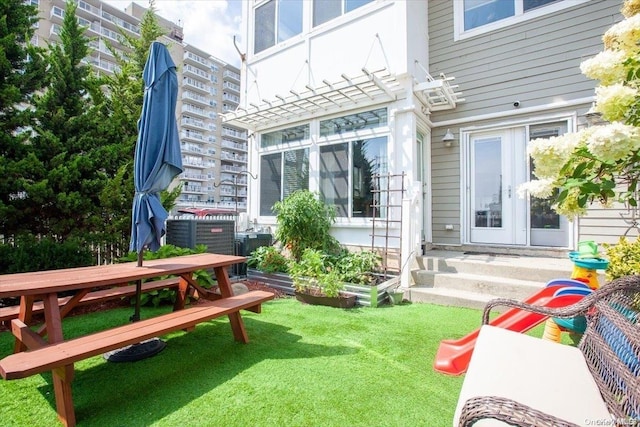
x=157 y=161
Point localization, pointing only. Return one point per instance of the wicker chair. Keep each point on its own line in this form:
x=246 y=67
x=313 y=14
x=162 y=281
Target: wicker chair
x=611 y=350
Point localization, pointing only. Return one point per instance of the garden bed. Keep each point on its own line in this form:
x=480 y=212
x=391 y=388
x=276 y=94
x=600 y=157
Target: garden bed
x=366 y=296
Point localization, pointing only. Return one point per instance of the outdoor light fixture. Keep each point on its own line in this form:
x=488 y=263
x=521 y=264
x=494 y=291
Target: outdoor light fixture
x=448 y=138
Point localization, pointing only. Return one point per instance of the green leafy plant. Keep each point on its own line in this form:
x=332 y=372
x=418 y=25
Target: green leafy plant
x=624 y=258
x=168 y=295
x=314 y=273
x=358 y=267
x=268 y=259
x=320 y=273
x=28 y=253
x=304 y=222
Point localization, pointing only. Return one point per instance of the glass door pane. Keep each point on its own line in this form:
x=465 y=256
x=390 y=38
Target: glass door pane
x=487 y=178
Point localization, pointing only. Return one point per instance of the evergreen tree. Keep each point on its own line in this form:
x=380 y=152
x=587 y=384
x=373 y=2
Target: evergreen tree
x=21 y=74
x=66 y=174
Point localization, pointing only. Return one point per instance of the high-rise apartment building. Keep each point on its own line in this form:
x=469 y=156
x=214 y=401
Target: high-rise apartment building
x=214 y=156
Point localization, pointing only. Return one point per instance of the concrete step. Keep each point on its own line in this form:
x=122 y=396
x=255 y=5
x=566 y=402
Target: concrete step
x=494 y=286
x=467 y=279
x=448 y=297
x=537 y=269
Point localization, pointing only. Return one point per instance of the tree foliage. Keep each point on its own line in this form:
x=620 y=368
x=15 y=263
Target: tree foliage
x=68 y=134
x=22 y=73
x=65 y=172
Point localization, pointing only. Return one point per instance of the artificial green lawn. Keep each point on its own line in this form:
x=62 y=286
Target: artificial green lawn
x=304 y=366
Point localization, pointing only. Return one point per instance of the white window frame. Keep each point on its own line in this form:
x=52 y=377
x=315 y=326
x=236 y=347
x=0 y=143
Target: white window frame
x=259 y=4
x=520 y=16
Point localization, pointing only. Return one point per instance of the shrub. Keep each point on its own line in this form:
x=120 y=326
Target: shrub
x=304 y=222
x=268 y=259
x=624 y=258
x=167 y=295
x=32 y=254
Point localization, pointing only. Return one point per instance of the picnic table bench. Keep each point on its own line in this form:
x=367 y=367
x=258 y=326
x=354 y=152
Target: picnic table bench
x=519 y=380
x=33 y=354
x=99 y=295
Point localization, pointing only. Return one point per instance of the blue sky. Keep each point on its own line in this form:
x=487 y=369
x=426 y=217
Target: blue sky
x=208 y=24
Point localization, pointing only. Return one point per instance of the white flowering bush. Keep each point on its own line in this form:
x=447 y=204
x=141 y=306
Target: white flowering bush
x=600 y=163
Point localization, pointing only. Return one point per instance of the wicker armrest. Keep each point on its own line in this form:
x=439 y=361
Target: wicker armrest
x=581 y=307
x=507 y=411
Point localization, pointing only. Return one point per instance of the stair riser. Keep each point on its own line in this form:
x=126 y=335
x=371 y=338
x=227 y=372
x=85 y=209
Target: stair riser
x=531 y=272
x=445 y=300
x=479 y=284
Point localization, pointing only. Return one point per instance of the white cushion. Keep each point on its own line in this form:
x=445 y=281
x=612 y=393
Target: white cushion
x=547 y=376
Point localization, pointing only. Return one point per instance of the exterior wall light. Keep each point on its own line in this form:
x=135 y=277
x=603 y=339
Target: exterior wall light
x=448 y=138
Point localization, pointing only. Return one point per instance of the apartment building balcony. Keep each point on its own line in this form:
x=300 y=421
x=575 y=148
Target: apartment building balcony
x=193 y=176
x=191 y=83
x=193 y=123
x=231 y=86
x=232 y=145
x=234 y=133
x=193 y=189
x=196 y=163
x=191 y=148
x=232 y=169
x=227 y=97
x=192 y=135
x=195 y=97
x=191 y=70
x=195 y=110
x=190 y=57
x=228 y=74
x=234 y=157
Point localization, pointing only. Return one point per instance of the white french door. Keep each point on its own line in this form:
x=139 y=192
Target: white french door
x=496 y=168
x=497 y=164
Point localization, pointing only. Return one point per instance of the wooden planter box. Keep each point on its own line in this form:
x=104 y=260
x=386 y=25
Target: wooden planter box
x=366 y=296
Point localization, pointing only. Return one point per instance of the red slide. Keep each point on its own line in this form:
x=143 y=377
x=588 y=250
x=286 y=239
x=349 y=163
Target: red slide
x=453 y=355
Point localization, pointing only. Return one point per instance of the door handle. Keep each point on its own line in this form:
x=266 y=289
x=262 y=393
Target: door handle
x=509 y=191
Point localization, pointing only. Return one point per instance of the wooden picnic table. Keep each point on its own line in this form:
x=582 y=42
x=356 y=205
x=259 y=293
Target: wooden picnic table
x=33 y=354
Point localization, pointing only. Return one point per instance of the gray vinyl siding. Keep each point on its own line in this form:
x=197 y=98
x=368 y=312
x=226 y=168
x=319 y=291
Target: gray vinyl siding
x=536 y=62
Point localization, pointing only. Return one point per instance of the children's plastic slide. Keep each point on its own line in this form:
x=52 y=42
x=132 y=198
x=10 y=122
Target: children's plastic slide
x=453 y=355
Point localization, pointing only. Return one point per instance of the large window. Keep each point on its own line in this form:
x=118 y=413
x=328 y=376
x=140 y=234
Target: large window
x=283 y=136
x=280 y=175
x=275 y=22
x=479 y=16
x=352 y=122
x=325 y=10
x=347 y=173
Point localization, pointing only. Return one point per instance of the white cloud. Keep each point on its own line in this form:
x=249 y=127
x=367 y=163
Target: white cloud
x=208 y=25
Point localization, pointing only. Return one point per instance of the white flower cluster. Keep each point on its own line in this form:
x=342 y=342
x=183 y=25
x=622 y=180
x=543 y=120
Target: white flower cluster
x=614 y=101
x=607 y=66
x=550 y=155
x=624 y=35
x=614 y=141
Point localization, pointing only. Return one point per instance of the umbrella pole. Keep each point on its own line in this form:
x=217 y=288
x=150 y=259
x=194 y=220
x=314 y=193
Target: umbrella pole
x=136 y=313
x=141 y=350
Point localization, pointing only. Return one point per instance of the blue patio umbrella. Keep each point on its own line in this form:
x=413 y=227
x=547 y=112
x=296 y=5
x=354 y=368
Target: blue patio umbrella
x=157 y=161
